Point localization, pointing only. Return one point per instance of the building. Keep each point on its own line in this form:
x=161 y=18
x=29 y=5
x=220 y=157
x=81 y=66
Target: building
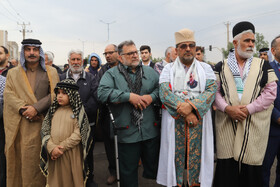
x=13 y=49
x=10 y=45
x=3 y=38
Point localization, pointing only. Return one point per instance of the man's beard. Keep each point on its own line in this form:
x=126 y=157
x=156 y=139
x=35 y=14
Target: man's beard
x=146 y=60
x=112 y=63
x=2 y=62
x=277 y=56
x=245 y=54
x=73 y=70
x=187 y=60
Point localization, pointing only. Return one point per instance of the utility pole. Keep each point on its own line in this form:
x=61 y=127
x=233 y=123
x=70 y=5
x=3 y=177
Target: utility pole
x=227 y=24
x=23 y=25
x=108 y=26
x=83 y=42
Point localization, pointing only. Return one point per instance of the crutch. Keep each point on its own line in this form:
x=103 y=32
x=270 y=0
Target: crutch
x=115 y=129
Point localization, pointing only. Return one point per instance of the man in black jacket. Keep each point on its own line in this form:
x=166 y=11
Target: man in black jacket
x=111 y=55
x=88 y=91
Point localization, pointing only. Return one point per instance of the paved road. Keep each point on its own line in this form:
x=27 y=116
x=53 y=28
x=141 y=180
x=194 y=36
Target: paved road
x=101 y=169
x=102 y=173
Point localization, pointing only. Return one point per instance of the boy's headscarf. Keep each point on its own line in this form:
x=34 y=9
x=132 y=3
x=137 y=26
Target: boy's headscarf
x=71 y=89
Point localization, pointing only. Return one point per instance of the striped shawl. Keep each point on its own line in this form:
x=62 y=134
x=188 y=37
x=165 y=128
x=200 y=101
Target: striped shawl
x=244 y=141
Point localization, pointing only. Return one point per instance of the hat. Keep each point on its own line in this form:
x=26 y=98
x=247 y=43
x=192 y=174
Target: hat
x=31 y=41
x=184 y=35
x=66 y=84
x=265 y=49
x=242 y=26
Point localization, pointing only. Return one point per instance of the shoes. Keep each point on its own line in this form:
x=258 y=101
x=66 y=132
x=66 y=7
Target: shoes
x=91 y=183
x=111 y=179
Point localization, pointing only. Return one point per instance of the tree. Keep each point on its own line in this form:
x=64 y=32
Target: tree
x=226 y=51
x=155 y=60
x=259 y=43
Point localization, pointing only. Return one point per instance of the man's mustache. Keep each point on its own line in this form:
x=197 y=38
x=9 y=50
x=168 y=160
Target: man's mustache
x=31 y=56
x=250 y=49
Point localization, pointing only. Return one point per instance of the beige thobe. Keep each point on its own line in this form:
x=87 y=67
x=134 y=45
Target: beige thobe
x=67 y=170
x=23 y=140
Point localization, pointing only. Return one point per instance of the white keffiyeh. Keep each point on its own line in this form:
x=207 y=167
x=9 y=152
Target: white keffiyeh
x=233 y=66
x=186 y=84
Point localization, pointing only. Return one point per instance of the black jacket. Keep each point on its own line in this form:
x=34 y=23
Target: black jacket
x=59 y=71
x=88 y=91
x=102 y=70
x=4 y=73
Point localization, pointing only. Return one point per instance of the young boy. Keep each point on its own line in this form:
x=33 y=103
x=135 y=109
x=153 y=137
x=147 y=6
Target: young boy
x=65 y=132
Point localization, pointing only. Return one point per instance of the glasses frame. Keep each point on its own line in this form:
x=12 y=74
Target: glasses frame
x=109 y=53
x=131 y=53
x=191 y=46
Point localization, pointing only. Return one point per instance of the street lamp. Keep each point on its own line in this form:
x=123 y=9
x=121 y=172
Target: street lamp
x=108 y=26
x=83 y=42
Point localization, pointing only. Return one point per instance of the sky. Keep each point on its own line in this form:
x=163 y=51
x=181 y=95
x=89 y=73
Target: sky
x=62 y=25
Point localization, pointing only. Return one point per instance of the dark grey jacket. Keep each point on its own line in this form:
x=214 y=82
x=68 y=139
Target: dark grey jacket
x=88 y=91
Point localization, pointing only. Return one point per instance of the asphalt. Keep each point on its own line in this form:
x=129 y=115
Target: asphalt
x=101 y=172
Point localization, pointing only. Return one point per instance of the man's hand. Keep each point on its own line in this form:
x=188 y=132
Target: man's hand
x=237 y=112
x=278 y=121
x=147 y=99
x=136 y=101
x=30 y=112
x=191 y=120
x=37 y=118
x=214 y=107
x=184 y=109
x=244 y=109
x=56 y=152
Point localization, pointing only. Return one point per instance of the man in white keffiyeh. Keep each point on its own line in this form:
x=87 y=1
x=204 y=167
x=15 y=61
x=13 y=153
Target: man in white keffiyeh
x=187 y=90
x=244 y=101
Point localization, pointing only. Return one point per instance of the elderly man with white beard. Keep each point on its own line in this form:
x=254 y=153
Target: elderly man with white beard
x=88 y=91
x=244 y=101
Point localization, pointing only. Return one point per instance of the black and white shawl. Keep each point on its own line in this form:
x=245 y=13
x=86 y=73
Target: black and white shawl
x=135 y=87
x=71 y=90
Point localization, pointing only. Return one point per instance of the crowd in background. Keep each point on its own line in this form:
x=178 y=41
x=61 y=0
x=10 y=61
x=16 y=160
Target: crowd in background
x=171 y=116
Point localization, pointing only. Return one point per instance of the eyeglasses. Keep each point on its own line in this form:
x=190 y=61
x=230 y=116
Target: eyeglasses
x=109 y=53
x=185 y=46
x=131 y=53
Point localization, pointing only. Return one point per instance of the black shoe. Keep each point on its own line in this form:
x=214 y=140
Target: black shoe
x=91 y=183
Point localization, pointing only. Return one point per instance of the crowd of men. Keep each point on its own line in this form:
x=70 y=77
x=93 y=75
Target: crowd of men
x=164 y=109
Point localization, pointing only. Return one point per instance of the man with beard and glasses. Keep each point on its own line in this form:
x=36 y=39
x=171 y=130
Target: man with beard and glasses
x=244 y=101
x=4 y=63
x=27 y=98
x=111 y=55
x=131 y=89
x=88 y=91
